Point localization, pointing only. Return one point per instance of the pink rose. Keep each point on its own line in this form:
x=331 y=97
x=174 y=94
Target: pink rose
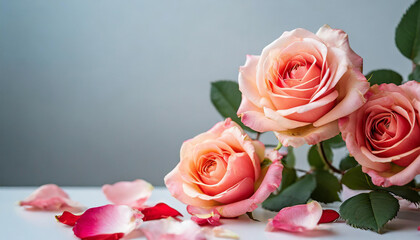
x=220 y=170
x=301 y=85
x=383 y=135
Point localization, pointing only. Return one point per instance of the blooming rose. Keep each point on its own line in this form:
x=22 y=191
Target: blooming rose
x=220 y=169
x=383 y=135
x=301 y=85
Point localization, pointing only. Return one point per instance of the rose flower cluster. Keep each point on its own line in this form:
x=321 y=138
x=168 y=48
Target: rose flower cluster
x=306 y=88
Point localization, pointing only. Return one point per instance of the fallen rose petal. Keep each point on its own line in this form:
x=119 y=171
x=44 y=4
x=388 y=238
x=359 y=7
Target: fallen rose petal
x=328 y=215
x=49 y=197
x=297 y=218
x=113 y=236
x=132 y=194
x=204 y=217
x=68 y=218
x=159 y=211
x=107 y=222
x=221 y=232
x=169 y=229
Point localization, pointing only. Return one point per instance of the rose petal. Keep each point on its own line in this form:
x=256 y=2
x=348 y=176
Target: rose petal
x=328 y=215
x=49 y=197
x=68 y=218
x=107 y=222
x=204 y=216
x=169 y=229
x=269 y=184
x=221 y=232
x=132 y=194
x=113 y=236
x=159 y=211
x=308 y=134
x=338 y=38
x=297 y=218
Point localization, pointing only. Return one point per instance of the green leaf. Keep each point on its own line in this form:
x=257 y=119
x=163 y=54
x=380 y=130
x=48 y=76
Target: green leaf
x=404 y=192
x=335 y=142
x=415 y=75
x=347 y=163
x=327 y=187
x=407 y=34
x=384 y=76
x=297 y=193
x=369 y=210
x=290 y=158
x=314 y=157
x=357 y=180
x=226 y=98
x=289 y=177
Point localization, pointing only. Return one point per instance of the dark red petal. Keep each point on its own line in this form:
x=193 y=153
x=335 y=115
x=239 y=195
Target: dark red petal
x=328 y=215
x=113 y=236
x=418 y=228
x=159 y=211
x=68 y=218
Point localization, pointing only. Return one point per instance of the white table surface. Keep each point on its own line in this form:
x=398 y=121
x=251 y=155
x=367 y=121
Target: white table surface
x=16 y=223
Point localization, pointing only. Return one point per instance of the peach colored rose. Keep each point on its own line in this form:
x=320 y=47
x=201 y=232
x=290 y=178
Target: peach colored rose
x=384 y=134
x=220 y=169
x=301 y=85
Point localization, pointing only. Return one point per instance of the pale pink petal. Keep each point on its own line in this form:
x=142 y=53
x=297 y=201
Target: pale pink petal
x=247 y=83
x=169 y=229
x=351 y=89
x=132 y=194
x=309 y=134
x=399 y=178
x=49 y=197
x=221 y=232
x=108 y=219
x=338 y=38
x=204 y=216
x=297 y=218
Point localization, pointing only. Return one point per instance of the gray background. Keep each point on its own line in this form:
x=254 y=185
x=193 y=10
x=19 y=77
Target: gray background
x=94 y=92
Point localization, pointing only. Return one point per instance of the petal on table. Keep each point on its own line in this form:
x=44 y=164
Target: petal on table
x=328 y=215
x=169 y=229
x=107 y=222
x=204 y=216
x=68 y=218
x=297 y=218
x=49 y=197
x=221 y=232
x=132 y=194
x=159 y=211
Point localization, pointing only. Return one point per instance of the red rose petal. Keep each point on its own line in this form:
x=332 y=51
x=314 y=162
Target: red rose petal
x=107 y=222
x=418 y=228
x=328 y=215
x=159 y=211
x=68 y=218
x=113 y=236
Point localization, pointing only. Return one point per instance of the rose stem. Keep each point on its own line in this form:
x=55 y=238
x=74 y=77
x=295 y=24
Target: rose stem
x=258 y=136
x=324 y=158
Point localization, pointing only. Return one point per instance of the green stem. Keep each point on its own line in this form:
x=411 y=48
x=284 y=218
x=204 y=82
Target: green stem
x=324 y=158
x=258 y=136
x=278 y=146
